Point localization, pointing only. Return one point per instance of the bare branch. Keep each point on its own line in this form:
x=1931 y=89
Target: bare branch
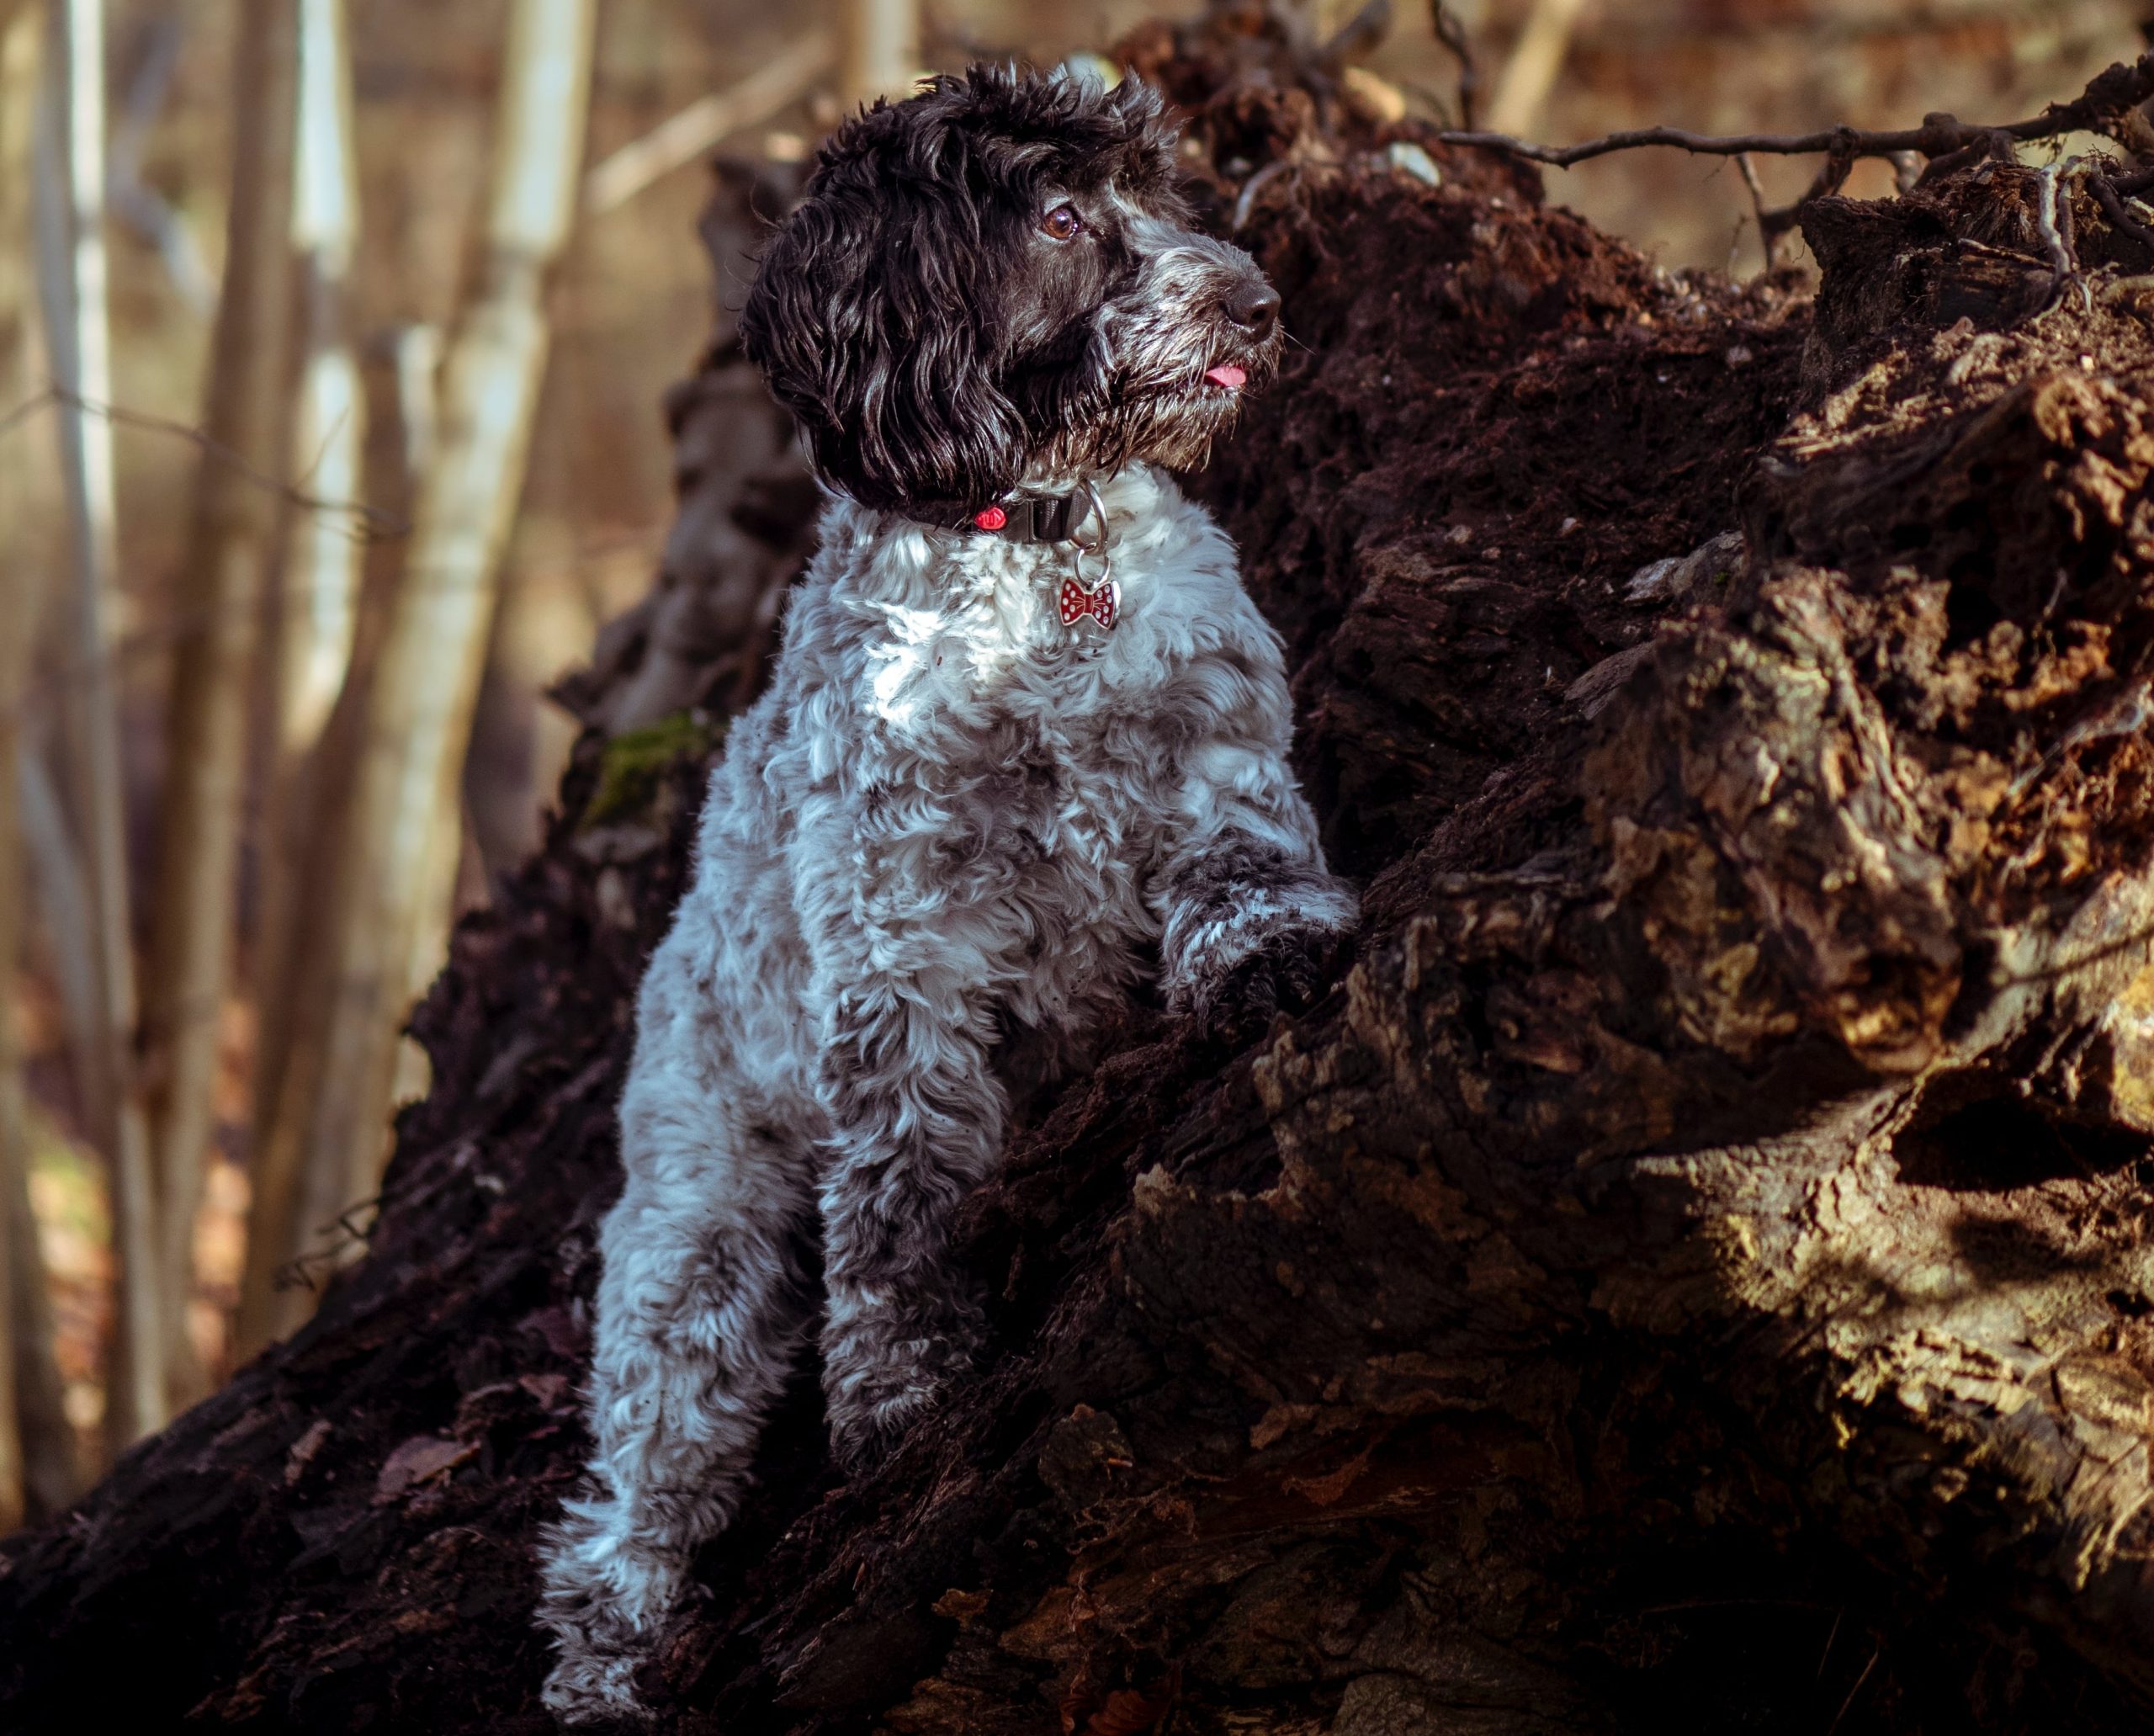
x=709 y=120
x=1356 y=38
x=2107 y=194
x=2053 y=218
x=1536 y=63
x=2098 y=109
x=375 y=524
x=1453 y=36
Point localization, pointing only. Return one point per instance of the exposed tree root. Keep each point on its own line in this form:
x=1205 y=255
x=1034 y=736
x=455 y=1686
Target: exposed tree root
x=1692 y=1274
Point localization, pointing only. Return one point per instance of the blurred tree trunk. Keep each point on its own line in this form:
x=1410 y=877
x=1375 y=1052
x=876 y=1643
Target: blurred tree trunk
x=72 y=281
x=880 y=50
x=1536 y=61
x=708 y=121
x=317 y=603
x=36 y=1449
x=401 y=403
x=19 y=580
x=328 y=1134
x=319 y=600
x=231 y=545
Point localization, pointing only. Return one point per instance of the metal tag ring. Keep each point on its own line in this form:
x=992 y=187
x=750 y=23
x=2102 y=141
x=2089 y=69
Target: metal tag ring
x=1094 y=511
x=1096 y=551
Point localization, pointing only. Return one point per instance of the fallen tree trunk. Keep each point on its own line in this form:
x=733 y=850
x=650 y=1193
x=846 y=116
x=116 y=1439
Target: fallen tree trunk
x=1692 y=1273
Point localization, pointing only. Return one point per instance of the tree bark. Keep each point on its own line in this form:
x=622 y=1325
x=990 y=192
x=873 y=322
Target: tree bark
x=21 y=41
x=315 y=612
x=323 y=1151
x=318 y=603
x=1691 y=1273
x=231 y=544
x=1535 y=62
x=879 y=48
x=72 y=289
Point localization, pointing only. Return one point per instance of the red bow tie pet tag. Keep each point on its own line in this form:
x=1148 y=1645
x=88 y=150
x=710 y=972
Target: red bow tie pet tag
x=1103 y=605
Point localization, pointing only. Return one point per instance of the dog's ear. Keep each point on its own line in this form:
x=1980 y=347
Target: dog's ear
x=871 y=317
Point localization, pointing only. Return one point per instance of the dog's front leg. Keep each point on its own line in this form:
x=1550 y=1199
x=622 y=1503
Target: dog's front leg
x=1248 y=913
x=916 y=1120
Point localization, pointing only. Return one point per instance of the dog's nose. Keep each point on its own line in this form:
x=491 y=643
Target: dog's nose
x=1254 y=306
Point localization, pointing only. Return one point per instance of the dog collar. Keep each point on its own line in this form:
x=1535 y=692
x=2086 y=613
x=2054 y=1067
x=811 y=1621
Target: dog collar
x=1028 y=518
x=1077 y=517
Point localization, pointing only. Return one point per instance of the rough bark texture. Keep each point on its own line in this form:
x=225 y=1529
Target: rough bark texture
x=1692 y=1274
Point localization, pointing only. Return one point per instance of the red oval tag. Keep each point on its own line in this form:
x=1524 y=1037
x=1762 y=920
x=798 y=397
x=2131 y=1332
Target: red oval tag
x=990 y=518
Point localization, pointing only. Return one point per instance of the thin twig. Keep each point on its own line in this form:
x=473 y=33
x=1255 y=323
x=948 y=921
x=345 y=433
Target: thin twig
x=1825 y=1656
x=709 y=120
x=1246 y=201
x=2114 y=92
x=2125 y=716
x=1453 y=36
x=1774 y=222
x=378 y=525
x=1766 y=236
x=1749 y=170
x=2063 y=266
x=1847 y=1703
x=1851 y=140
x=2106 y=194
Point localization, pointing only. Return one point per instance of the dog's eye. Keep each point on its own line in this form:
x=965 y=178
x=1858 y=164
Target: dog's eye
x=1061 y=223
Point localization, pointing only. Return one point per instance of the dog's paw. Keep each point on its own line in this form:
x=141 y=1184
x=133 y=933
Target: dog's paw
x=1234 y=955
x=865 y=1441
x=593 y=1683
x=1285 y=972
x=881 y=1382
x=604 y=1594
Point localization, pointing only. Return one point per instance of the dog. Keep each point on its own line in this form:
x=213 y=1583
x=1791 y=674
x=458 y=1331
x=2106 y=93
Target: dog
x=1025 y=742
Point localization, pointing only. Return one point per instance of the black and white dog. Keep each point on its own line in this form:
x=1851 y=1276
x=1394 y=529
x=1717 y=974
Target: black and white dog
x=1028 y=735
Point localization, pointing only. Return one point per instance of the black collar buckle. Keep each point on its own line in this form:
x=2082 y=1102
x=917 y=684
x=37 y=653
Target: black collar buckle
x=1076 y=517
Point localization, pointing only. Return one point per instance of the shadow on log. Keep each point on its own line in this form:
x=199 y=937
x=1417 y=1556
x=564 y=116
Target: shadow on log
x=1692 y=1275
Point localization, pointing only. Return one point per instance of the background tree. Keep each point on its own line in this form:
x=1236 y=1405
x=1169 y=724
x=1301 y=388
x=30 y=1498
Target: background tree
x=387 y=875
x=37 y=1473
x=232 y=546
x=73 y=284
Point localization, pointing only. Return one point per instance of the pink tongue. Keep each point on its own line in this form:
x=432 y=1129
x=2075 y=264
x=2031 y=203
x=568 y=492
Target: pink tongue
x=1226 y=375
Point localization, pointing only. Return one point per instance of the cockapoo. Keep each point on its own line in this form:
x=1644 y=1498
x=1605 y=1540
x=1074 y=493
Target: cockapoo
x=1025 y=741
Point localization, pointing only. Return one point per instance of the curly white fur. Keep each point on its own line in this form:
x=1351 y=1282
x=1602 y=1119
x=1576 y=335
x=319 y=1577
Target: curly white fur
x=950 y=817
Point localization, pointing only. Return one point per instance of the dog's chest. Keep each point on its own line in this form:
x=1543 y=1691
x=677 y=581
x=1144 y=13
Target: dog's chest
x=1052 y=792
x=1059 y=840
x=1046 y=792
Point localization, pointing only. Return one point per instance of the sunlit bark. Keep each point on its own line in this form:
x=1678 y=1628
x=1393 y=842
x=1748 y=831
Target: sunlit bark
x=317 y=603
x=20 y=40
x=880 y=48
x=72 y=287
x=329 y=1121
x=320 y=598
x=1535 y=62
x=231 y=545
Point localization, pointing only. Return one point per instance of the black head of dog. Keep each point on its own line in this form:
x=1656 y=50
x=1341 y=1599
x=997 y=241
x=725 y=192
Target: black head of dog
x=999 y=279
